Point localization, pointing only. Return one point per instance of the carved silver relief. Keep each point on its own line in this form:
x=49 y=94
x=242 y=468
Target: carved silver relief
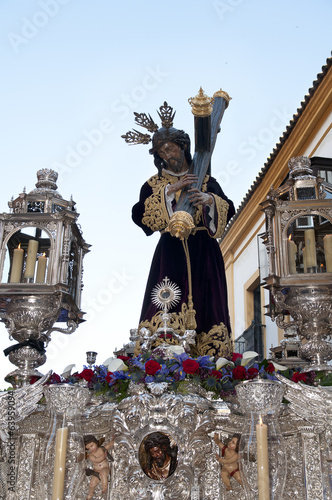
x=52 y=228
x=10 y=226
x=313 y=468
x=27 y=458
x=28 y=316
x=191 y=421
x=311 y=308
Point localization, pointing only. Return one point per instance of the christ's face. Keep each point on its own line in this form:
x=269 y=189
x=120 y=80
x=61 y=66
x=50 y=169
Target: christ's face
x=156 y=452
x=172 y=155
x=158 y=455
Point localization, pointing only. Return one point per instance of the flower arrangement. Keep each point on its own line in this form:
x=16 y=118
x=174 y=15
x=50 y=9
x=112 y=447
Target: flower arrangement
x=218 y=377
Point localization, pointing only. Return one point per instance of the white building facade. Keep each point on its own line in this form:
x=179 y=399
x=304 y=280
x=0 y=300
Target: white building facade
x=308 y=134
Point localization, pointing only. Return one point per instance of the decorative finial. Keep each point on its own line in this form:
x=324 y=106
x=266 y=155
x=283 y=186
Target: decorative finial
x=300 y=165
x=143 y=120
x=201 y=105
x=180 y=224
x=47 y=179
x=91 y=357
x=166 y=115
x=146 y=121
x=222 y=93
x=135 y=137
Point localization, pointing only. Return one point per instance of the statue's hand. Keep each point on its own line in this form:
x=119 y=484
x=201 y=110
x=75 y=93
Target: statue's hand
x=186 y=180
x=197 y=198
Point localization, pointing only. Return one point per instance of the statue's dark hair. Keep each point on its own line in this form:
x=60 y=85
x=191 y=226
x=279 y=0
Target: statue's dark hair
x=157 y=439
x=172 y=134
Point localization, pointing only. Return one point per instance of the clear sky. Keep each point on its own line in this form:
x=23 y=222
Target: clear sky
x=75 y=70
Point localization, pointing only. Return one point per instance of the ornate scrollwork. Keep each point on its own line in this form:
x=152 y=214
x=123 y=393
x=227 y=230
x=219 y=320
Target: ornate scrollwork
x=189 y=419
x=29 y=315
x=26 y=461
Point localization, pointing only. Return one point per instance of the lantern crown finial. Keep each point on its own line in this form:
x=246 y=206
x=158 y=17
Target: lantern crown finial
x=46 y=183
x=47 y=179
x=300 y=165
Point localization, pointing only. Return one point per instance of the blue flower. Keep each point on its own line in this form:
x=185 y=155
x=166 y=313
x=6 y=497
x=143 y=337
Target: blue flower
x=211 y=383
x=120 y=375
x=177 y=364
x=205 y=362
x=136 y=376
x=137 y=362
x=97 y=386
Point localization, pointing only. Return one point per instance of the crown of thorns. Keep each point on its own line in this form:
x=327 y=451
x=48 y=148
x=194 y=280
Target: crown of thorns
x=166 y=116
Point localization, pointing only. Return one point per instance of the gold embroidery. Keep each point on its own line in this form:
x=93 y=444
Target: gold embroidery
x=222 y=211
x=177 y=321
x=216 y=342
x=155 y=214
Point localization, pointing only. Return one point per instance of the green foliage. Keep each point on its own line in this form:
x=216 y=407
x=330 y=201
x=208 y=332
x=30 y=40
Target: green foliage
x=325 y=380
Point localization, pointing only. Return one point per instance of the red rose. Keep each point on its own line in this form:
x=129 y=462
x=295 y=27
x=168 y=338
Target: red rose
x=55 y=379
x=86 y=374
x=299 y=377
x=239 y=373
x=236 y=356
x=252 y=372
x=108 y=377
x=34 y=379
x=190 y=366
x=151 y=367
x=124 y=358
x=216 y=374
x=270 y=368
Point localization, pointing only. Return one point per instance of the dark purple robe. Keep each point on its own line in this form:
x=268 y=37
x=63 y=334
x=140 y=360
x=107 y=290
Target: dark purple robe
x=208 y=275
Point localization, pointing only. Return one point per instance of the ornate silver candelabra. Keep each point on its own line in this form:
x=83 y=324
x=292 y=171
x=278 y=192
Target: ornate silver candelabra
x=299 y=245
x=91 y=357
x=41 y=254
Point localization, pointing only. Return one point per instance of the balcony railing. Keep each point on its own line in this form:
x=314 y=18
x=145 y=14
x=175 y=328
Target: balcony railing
x=251 y=340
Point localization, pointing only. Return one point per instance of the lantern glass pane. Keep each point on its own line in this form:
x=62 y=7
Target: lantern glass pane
x=309 y=245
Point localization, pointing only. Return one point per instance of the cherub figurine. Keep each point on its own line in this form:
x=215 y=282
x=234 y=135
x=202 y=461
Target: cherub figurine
x=98 y=455
x=229 y=460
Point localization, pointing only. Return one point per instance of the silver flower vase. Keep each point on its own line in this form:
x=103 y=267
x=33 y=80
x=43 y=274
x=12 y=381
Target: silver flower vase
x=262 y=454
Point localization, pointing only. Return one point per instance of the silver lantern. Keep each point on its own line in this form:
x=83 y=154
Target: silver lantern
x=299 y=246
x=41 y=254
